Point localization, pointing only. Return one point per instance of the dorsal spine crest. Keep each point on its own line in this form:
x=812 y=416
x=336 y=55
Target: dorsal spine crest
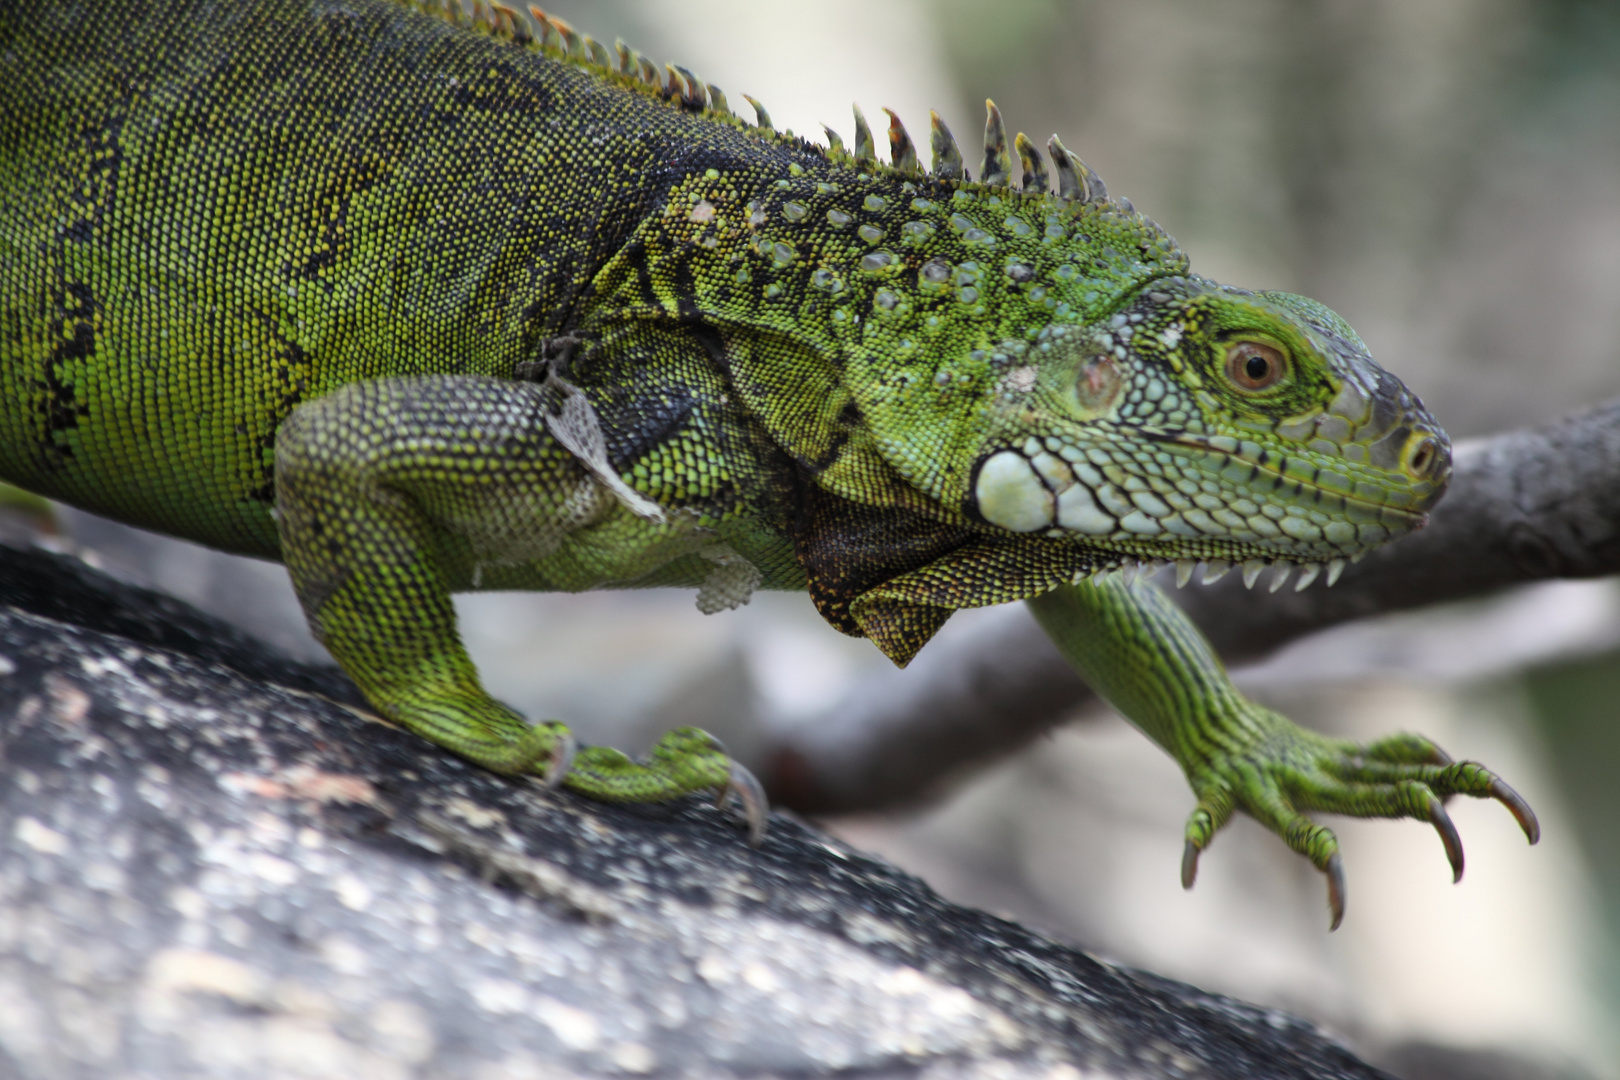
x=537 y=31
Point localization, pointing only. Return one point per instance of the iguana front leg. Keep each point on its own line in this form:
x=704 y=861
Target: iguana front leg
x=1142 y=654
x=391 y=494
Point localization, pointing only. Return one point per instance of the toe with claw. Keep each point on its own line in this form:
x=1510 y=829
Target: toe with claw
x=750 y=795
x=1334 y=871
x=685 y=761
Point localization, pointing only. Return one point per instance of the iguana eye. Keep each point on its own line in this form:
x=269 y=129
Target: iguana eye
x=1252 y=365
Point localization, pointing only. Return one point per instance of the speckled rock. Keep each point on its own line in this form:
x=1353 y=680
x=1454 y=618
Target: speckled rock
x=214 y=862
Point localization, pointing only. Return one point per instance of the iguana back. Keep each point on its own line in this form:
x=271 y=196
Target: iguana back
x=215 y=212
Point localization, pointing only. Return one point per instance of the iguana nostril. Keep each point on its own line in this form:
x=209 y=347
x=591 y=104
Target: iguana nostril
x=1425 y=455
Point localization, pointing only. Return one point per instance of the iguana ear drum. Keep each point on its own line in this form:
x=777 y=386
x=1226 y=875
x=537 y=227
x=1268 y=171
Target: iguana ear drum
x=1099 y=385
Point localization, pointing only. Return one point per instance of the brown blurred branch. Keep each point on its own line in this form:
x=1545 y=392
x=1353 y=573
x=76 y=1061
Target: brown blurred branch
x=1524 y=506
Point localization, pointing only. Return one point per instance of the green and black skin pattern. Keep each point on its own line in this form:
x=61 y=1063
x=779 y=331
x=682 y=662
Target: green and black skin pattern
x=419 y=300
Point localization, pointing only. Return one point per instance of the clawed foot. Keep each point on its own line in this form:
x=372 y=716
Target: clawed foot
x=684 y=761
x=1291 y=771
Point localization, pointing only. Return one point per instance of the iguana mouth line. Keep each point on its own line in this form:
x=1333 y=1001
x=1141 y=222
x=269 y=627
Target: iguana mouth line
x=1416 y=518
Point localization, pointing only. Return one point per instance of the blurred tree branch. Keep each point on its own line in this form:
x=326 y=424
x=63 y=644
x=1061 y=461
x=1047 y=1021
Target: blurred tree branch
x=1524 y=506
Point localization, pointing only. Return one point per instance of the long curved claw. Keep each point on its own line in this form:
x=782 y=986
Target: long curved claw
x=1448 y=836
x=1189 y=864
x=1214 y=810
x=1520 y=809
x=1335 y=883
x=562 y=759
x=751 y=794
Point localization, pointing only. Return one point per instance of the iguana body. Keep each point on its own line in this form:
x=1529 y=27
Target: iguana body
x=420 y=303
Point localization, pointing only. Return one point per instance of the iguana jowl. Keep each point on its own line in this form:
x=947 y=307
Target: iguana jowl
x=419 y=301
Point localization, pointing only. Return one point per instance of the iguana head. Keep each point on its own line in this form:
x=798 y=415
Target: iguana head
x=1200 y=422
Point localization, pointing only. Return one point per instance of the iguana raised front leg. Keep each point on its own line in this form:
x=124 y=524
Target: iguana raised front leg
x=1146 y=658
x=393 y=493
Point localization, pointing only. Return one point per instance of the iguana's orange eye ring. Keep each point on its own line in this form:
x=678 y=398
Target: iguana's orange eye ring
x=1253 y=366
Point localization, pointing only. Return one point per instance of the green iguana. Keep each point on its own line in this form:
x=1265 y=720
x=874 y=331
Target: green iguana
x=419 y=299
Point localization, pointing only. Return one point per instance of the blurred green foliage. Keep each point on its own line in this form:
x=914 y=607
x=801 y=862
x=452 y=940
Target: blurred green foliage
x=1578 y=50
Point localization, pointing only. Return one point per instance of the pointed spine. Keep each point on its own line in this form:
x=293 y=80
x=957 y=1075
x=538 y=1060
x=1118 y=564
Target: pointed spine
x=542 y=26
x=1030 y=158
x=947 y=158
x=997 y=167
x=649 y=72
x=718 y=102
x=482 y=17
x=1251 y=571
x=627 y=58
x=761 y=117
x=598 y=53
x=864 y=148
x=571 y=43
x=1096 y=190
x=902 y=154
x=1071 y=171
x=835 y=142
x=694 y=95
x=510 y=24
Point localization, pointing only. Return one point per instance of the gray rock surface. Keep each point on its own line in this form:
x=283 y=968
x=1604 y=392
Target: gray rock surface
x=214 y=862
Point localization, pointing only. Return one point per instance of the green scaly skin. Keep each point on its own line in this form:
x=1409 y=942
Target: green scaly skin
x=419 y=302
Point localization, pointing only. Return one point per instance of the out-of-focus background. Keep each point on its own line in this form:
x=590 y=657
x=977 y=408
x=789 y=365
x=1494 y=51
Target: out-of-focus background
x=1445 y=174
